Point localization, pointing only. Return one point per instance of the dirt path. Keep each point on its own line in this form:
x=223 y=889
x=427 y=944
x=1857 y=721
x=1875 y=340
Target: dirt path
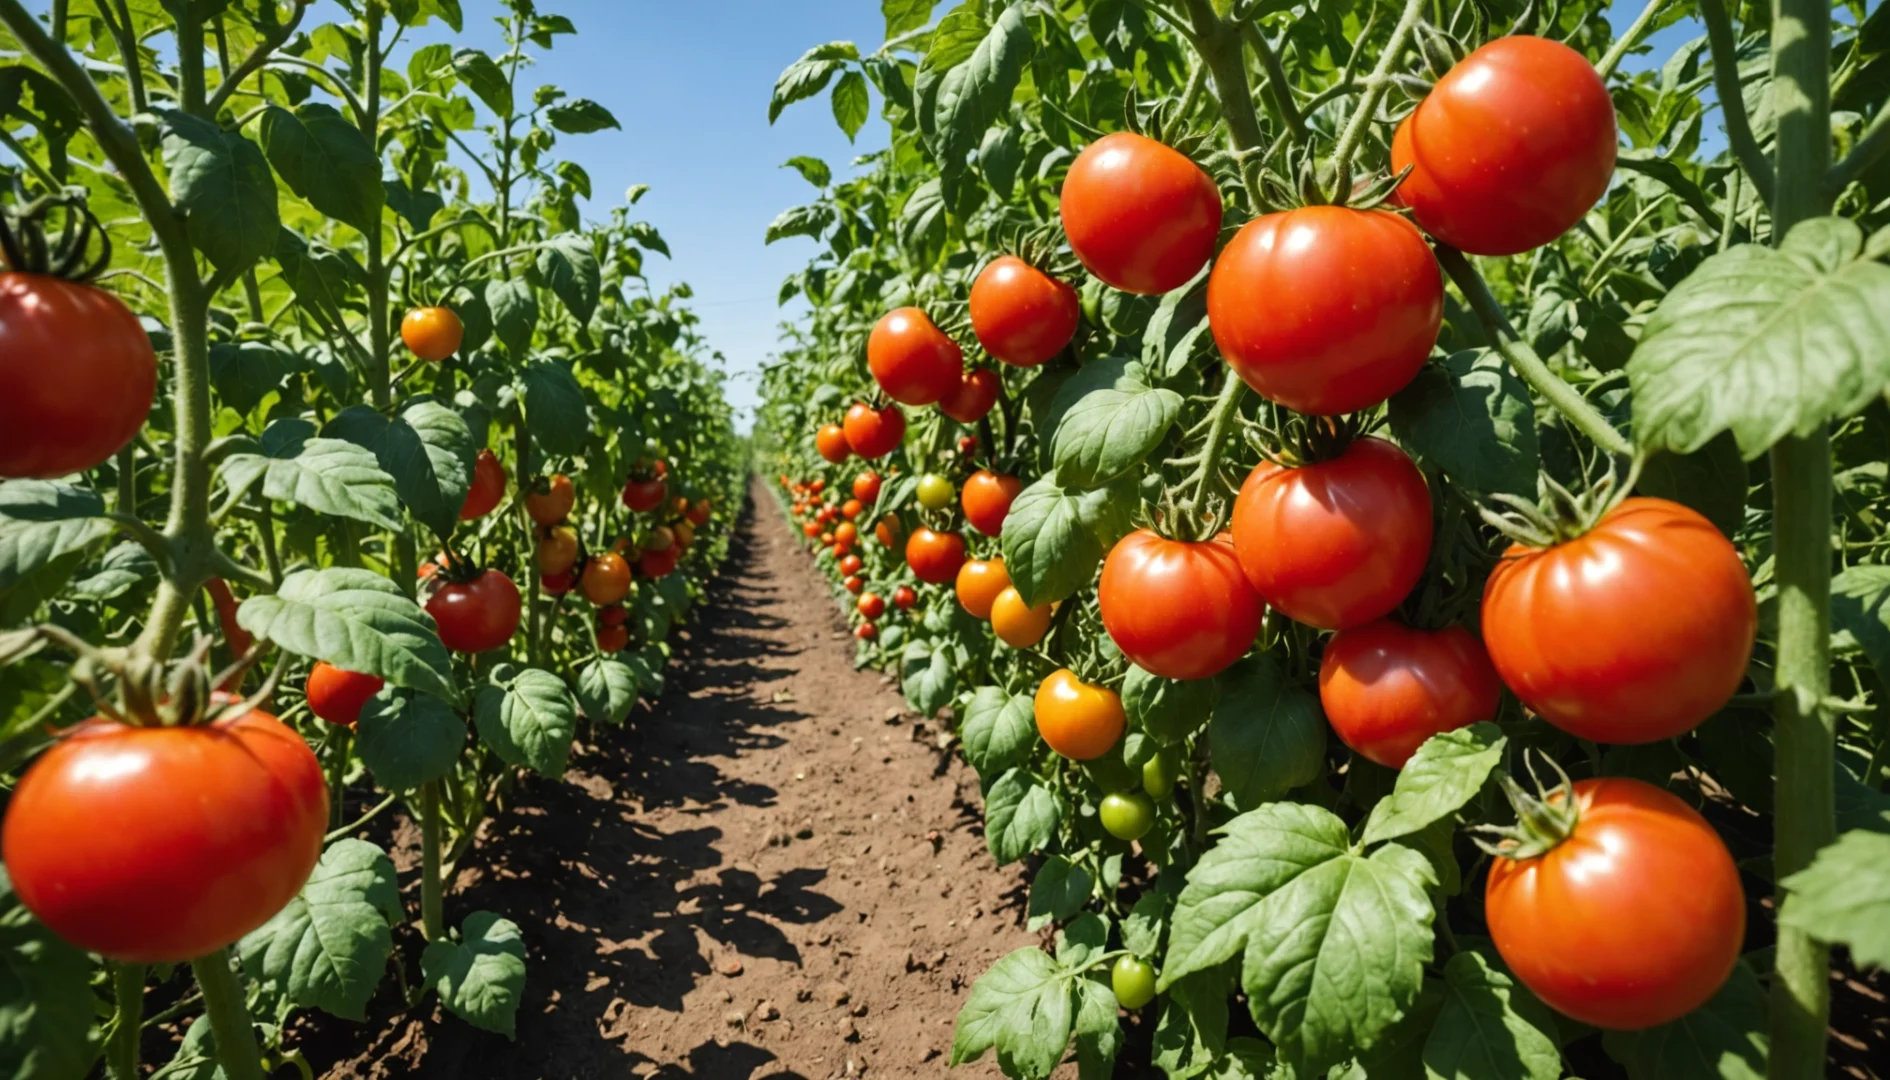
x=773 y=873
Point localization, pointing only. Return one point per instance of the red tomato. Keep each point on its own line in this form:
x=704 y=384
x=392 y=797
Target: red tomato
x=967 y=445
x=855 y=584
x=1387 y=687
x=904 y=598
x=163 y=844
x=1635 y=919
x=840 y=550
x=978 y=583
x=67 y=416
x=656 y=564
x=1633 y=632
x=1286 y=297
x=698 y=514
x=337 y=696
x=811 y=530
x=1077 y=720
x=850 y=564
x=606 y=578
x=644 y=495
x=866 y=631
x=478 y=615
x=874 y=433
x=1336 y=543
x=433 y=333
x=850 y=509
x=488 y=487
x=866 y=487
x=871 y=606
x=831 y=442
x=557 y=584
x=1509 y=149
x=1177 y=609
x=557 y=550
x=973 y=398
x=817 y=486
x=846 y=532
x=612 y=616
x=914 y=361
x=554 y=504
x=1022 y=315
x=1139 y=214
x=987 y=499
x=612 y=639
x=935 y=556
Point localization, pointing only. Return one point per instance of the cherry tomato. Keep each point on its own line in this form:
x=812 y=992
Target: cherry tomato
x=1127 y=816
x=967 y=445
x=874 y=433
x=552 y=505
x=1336 y=543
x=1177 y=609
x=1016 y=623
x=973 y=398
x=432 y=333
x=557 y=550
x=935 y=556
x=700 y=513
x=645 y=494
x=1510 y=149
x=163 y=844
x=851 y=509
x=1633 y=920
x=488 y=487
x=935 y=492
x=476 y=616
x=855 y=585
x=817 y=486
x=913 y=361
x=1022 y=315
x=1285 y=297
x=866 y=487
x=1133 y=981
x=987 y=499
x=1077 y=720
x=871 y=606
x=1139 y=214
x=905 y=598
x=866 y=631
x=841 y=551
x=557 y=584
x=606 y=579
x=831 y=442
x=77 y=376
x=1387 y=687
x=337 y=696
x=1160 y=772
x=888 y=530
x=845 y=533
x=979 y=583
x=826 y=539
x=811 y=530
x=850 y=564
x=1633 y=632
x=612 y=639
x=657 y=564
x=613 y=616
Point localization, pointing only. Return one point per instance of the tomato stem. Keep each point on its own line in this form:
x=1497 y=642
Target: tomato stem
x=1367 y=107
x=1226 y=407
x=225 y=1005
x=432 y=921
x=121 y=1052
x=1629 y=38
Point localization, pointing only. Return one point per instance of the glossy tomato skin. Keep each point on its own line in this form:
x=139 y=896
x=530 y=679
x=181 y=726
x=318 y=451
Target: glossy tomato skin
x=557 y=550
x=476 y=616
x=1337 y=543
x=552 y=505
x=905 y=598
x=978 y=584
x=1022 y=315
x=1326 y=309
x=871 y=606
x=973 y=398
x=646 y=494
x=488 y=487
x=1635 y=920
x=1633 y=632
x=700 y=513
x=337 y=696
x=606 y=578
x=913 y=361
x=987 y=498
x=163 y=844
x=866 y=487
x=1127 y=815
x=831 y=443
x=432 y=333
x=1139 y=214
x=1510 y=149
x=874 y=433
x=1387 y=687
x=1177 y=609
x=1016 y=623
x=935 y=556
x=657 y=564
x=1077 y=720
x=77 y=376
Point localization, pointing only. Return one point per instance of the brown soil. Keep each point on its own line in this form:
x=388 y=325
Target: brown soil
x=774 y=872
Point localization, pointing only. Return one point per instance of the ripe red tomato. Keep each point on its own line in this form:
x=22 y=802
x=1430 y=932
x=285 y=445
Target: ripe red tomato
x=1635 y=919
x=1336 y=543
x=1016 y=623
x=1633 y=632
x=552 y=505
x=871 y=606
x=846 y=532
x=850 y=564
x=1510 y=149
x=488 y=487
x=914 y=361
x=935 y=556
x=978 y=583
x=987 y=499
x=1177 y=609
x=840 y=550
x=612 y=639
x=557 y=584
x=866 y=487
x=613 y=616
x=645 y=494
x=1387 y=687
x=1139 y=214
x=831 y=442
x=67 y=416
x=811 y=530
x=476 y=616
x=905 y=598
x=698 y=514
x=1022 y=315
x=818 y=486
x=1077 y=720
x=851 y=509
x=656 y=564
x=433 y=333
x=1285 y=298
x=826 y=539
x=874 y=433
x=866 y=631
x=163 y=844
x=606 y=578
x=973 y=398
x=855 y=584
x=337 y=696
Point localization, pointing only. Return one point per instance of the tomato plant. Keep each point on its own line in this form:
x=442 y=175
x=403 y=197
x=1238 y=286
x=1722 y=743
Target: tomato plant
x=1177 y=609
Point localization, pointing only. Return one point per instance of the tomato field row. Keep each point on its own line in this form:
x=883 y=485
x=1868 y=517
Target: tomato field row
x=1390 y=496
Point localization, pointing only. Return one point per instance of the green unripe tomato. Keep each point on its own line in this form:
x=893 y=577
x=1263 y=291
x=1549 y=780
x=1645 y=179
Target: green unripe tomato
x=935 y=492
x=1128 y=816
x=1133 y=980
x=1160 y=772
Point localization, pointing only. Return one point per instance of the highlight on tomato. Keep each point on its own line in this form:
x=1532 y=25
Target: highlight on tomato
x=905 y=598
x=854 y=584
x=478 y=614
x=866 y=487
x=986 y=499
x=1139 y=215
x=1387 y=687
x=432 y=333
x=612 y=639
x=557 y=550
x=644 y=491
x=935 y=556
x=488 y=487
x=1016 y=623
x=874 y=433
x=913 y=361
x=871 y=606
x=1078 y=720
x=1176 y=608
x=605 y=579
x=831 y=443
x=1020 y=314
x=552 y=504
x=978 y=584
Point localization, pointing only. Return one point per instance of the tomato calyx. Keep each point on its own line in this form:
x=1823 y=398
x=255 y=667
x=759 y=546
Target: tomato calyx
x=148 y=693
x=1543 y=819
x=1561 y=515
x=24 y=242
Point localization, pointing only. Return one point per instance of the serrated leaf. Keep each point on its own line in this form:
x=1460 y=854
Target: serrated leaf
x=1843 y=897
x=1168 y=710
x=514 y=306
x=1446 y=772
x=1860 y=613
x=568 y=265
x=809 y=75
x=1712 y=480
x=1020 y=1007
x=243 y=375
x=329 y=476
x=356 y=620
x=555 y=411
x=408 y=739
x=1724 y=1039
x=1058 y=892
x=1111 y=430
x=41 y=522
x=927 y=676
x=607 y=689
x=529 y=722
x=812 y=169
x=1490 y=1026
x=904 y=15
x=1268 y=736
x=125 y=567
x=481 y=977
x=922 y=222
x=325 y=160
x=977 y=92
x=222 y=184
x=1051 y=546
x=580 y=116
x=427 y=449
x=329 y=947
x=1020 y=816
x=1143 y=927
x=999 y=731
x=47 y=1007
x=1474 y=419
x=1098 y=1035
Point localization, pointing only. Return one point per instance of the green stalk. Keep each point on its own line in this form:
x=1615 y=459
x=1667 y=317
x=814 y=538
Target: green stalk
x=228 y=1010
x=338 y=752
x=432 y=919
x=379 y=272
x=1367 y=108
x=1219 y=44
x=121 y=1053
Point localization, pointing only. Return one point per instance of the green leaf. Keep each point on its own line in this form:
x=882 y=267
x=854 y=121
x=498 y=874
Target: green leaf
x=999 y=731
x=514 y=307
x=427 y=449
x=484 y=76
x=1490 y=1027
x=568 y=264
x=555 y=412
x=1020 y=816
x=221 y=183
x=851 y=105
x=607 y=689
x=977 y=93
x=1860 y=612
x=999 y=156
x=1399 y=1052
x=812 y=169
x=1111 y=430
x=407 y=739
x=329 y=948
x=1058 y=892
x=1333 y=943
x=356 y=620
x=956 y=38
x=927 y=677
x=904 y=15
x=41 y=522
x=1050 y=542
x=529 y=722
x=809 y=75
x=1472 y=418
x=922 y=222
x=1268 y=736
x=1021 y=1007
x=1099 y=1036
x=327 y=161
x=1145 y=924
x=329 y=476
x=245 y=374
x=1445 y=773
x=1843 y=897
x=1724 y=1039
x=481 y=977
x=46 y=1003
x=1765 y=343
x=321 y=278
x=580 y=116
x=1168 y=710
x=810 y=220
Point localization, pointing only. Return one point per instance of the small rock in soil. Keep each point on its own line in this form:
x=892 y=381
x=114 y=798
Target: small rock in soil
x=730 y=966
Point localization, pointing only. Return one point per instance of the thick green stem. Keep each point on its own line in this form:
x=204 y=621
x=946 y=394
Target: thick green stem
x=225 y=1004
x=1367 y=108
x=121 y=1053
x=1630 y=38
x=1218 y=42
x=1732 y=103
x=432 y=917
x=1226 y=407
x=1279 y=87
x=340 y=747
